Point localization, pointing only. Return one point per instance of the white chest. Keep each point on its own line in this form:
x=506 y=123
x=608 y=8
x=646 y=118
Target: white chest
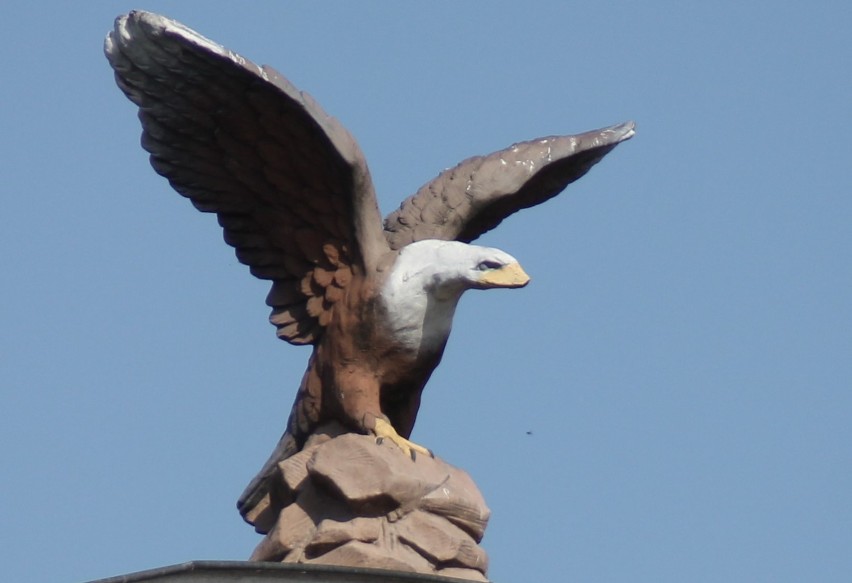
x=422 y=291
x=418 y=320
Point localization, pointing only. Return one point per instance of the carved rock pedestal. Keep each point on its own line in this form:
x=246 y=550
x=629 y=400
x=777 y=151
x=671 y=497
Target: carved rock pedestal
x=349 y=501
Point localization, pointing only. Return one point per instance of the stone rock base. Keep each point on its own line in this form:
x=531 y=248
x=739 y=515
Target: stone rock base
x=351 y=502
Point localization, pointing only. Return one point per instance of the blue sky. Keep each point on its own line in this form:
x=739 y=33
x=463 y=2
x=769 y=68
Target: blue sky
x=682 y=357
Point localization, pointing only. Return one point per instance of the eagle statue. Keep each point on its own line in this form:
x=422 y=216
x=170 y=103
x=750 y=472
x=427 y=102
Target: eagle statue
x=292 y=192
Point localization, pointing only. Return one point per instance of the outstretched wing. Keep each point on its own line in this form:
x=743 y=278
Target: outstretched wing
x=464 y=202
x=289 y=184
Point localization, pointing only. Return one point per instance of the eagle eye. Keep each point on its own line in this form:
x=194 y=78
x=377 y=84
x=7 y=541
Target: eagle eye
x=489 y=264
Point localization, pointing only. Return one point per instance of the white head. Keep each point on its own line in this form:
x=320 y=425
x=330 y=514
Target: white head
x=445 y=269
x=427 y=280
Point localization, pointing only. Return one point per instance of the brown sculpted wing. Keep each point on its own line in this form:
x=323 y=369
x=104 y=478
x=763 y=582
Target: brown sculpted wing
x=472 y=198
x=288 y=183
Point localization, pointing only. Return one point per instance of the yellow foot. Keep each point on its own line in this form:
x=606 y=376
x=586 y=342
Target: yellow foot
x=383 y=429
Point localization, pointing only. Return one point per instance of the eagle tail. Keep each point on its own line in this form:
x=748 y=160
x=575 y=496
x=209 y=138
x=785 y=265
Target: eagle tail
x=256 y=498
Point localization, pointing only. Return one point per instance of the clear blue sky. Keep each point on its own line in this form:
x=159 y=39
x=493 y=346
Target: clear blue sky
x=683 y=356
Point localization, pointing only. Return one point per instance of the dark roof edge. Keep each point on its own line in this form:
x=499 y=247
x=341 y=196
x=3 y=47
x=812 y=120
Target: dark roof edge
x=251 y=572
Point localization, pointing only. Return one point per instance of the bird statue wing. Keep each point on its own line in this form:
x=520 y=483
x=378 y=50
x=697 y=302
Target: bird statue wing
x=472 y=198
x=288 y=183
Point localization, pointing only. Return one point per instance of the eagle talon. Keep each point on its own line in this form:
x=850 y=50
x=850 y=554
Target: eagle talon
x=384 y=429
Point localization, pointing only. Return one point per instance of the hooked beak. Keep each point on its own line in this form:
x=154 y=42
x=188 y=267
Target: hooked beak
x=511 y=276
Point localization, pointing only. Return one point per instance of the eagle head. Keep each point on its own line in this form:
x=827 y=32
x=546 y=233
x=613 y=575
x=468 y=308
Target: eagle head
x=445 y=269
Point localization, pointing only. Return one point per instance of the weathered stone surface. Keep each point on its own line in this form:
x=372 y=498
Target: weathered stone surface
x=357 y=503
x=294 y=529
x=294 y=469
x=262 y=515
x=459 y=573
x=319 y=505
x=366 y=474
x=359 y=554
x=440 y=541
x=297 y=524
x=331 y=533
x=459 y=501
x=325 y=433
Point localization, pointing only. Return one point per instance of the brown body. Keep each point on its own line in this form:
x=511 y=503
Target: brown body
x=358 y=371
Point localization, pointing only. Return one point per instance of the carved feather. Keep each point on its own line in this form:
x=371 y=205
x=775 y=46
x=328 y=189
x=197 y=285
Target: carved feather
x=472 y=198
x=287 y=181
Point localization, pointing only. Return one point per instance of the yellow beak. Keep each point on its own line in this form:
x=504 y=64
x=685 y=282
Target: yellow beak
x=511 y=275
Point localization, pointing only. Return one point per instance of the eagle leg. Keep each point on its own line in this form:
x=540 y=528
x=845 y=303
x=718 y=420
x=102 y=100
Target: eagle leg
x=383 y=429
